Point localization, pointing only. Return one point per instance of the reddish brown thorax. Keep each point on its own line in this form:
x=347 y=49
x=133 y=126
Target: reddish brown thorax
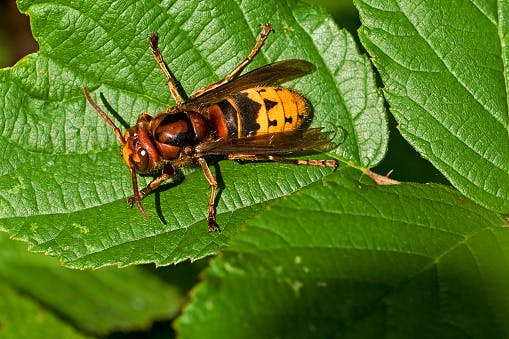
x=154 y=141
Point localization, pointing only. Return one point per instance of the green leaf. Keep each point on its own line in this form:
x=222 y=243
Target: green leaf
x=21 y=318
x=347 y=258
x=63 y=185
x=47 y=297
x=444 y=68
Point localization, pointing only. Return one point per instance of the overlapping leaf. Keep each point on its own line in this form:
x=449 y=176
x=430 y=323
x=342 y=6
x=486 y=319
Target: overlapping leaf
x=444 y=68
x=362 y=261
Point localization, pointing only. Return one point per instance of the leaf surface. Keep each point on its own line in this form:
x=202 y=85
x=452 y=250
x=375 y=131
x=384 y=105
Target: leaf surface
x=53 y=301
x=406 y=261
x=444 y=68
x=63 y=185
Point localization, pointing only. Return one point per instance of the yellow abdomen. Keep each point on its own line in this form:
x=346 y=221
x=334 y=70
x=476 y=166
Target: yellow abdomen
x=259 y=110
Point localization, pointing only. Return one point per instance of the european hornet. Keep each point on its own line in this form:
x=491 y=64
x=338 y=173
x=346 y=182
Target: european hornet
x=245 y=118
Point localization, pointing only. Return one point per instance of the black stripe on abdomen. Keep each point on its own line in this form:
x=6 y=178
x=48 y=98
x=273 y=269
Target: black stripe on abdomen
x=231 y=117
x=248 y=113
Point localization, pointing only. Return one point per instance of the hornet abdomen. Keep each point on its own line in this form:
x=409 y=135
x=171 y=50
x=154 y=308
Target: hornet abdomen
x=259 y=110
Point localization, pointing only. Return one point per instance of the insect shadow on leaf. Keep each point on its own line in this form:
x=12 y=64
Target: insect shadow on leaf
x=113 y=112
x=177 y=179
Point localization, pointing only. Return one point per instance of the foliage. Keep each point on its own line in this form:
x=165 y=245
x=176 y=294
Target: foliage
x=304 y=251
